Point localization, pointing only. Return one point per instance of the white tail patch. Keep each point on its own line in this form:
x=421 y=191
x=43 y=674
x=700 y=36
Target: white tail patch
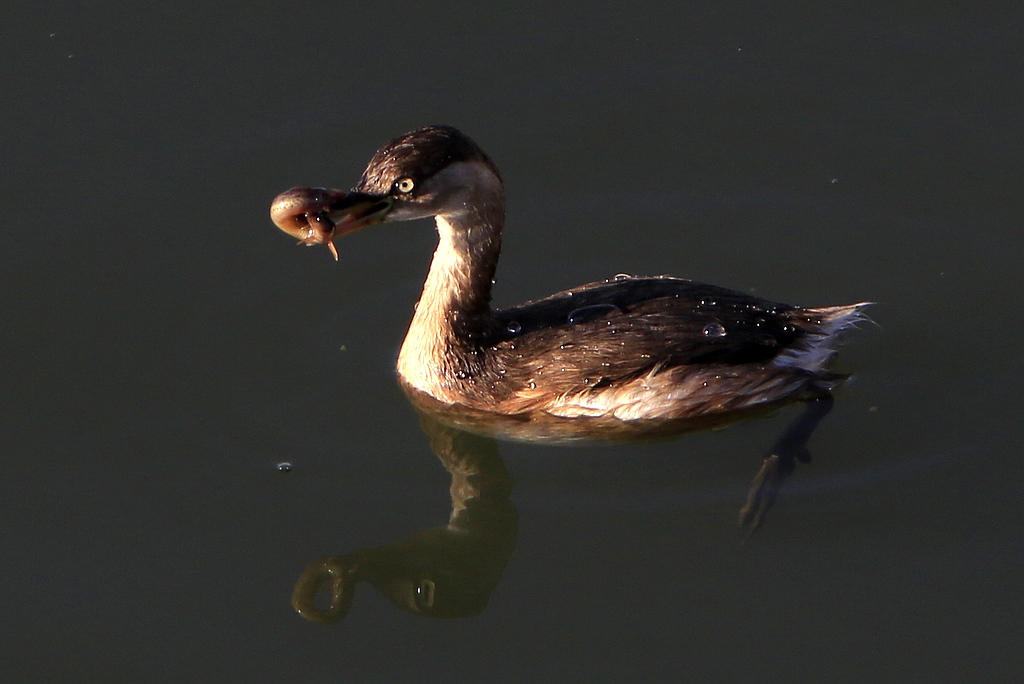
x=823 y=327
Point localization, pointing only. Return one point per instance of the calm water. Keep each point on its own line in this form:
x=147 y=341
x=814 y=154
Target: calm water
x=166 y=347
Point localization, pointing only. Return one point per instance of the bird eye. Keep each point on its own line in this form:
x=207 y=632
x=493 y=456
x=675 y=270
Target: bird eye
x=404 y=185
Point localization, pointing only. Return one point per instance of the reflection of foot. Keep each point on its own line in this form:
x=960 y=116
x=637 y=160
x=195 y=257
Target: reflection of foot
x=780 y=462
x=764 y=490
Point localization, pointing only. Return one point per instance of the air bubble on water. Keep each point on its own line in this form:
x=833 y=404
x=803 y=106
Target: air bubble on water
x=714 y=330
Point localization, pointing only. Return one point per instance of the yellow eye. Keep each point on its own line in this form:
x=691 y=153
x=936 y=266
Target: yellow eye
x=404 y=185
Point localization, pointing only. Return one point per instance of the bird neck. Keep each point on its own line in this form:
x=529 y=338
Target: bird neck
x=439 y=352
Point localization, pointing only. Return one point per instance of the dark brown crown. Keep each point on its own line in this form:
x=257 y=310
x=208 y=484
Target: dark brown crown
x=419 y=155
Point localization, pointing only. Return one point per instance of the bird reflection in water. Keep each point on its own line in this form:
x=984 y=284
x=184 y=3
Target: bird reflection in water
x=450 y=571
x=626 y=358
x=441 y=572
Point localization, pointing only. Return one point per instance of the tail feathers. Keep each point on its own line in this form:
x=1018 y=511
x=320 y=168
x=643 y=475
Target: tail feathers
x=842 y=317
x=823 y=328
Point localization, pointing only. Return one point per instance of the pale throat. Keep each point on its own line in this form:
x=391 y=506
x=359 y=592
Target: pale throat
x=455 y=302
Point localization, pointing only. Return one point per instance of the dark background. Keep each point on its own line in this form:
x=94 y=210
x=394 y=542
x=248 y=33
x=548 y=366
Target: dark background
x=164 y=346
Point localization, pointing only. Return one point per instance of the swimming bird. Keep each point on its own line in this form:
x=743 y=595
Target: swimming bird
x=625 y=349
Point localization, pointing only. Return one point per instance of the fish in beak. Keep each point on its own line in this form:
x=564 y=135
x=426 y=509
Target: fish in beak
x=317 y=216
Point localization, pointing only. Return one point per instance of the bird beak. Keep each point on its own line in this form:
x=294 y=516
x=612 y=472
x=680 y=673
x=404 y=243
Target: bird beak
x=317 y=216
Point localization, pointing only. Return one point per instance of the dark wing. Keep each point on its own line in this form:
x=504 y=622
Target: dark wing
x=602 y=333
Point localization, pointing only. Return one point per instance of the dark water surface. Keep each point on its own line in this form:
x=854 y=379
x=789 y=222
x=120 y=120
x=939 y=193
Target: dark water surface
x=165 y=346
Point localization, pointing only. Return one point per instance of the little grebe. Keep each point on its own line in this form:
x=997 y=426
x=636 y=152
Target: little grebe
x=629 y=348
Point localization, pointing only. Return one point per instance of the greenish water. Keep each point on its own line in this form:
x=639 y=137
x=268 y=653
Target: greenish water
x=166 y=347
